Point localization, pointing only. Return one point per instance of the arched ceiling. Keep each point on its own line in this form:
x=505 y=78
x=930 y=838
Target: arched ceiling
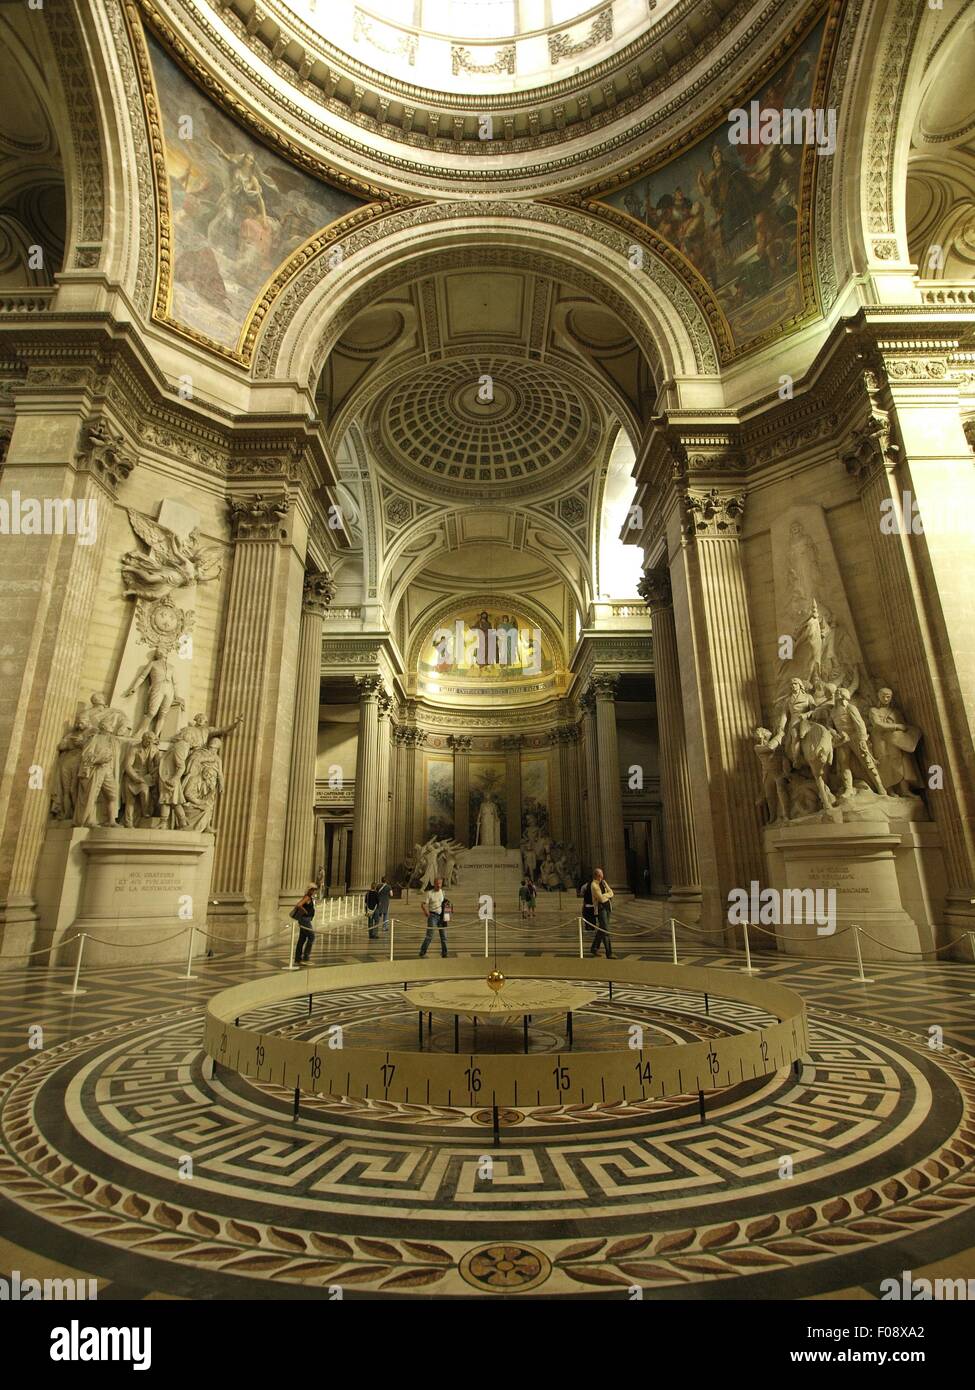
x=941 y=164
x=471 y=381
x=32 y=194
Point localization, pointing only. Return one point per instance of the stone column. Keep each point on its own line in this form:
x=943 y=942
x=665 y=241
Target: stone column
x=418 y=810
x=918 y=498
x=257 y=682
x=299 y=866
x=610 y=798
x=386 y=789
x=365 y=826
x=719 y=684
x=566 y=740
x=590 y=762
x=512 y=758
x=683 y=874
x=461 y=744
x=49 y=591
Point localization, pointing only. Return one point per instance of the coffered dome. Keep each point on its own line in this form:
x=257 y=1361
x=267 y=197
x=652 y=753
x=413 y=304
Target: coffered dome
x=477 y=424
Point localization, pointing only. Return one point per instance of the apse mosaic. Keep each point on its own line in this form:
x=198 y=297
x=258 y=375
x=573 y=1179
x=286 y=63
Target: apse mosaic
x=734 y=209
x=237 y=210
x=476 y=649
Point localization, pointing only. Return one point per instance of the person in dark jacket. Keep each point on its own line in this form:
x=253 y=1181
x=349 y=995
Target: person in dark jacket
x=385 y=892
x=304 y=915
x=372 y=903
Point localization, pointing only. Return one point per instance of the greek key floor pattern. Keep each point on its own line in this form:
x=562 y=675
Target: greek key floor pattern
x=121 y=1159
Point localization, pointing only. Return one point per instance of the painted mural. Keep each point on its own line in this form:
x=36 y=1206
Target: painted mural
x=488 y=776
x=238 y=210
x=440 y=798
x=485 y=647
x=733 y=209
x=535 y=793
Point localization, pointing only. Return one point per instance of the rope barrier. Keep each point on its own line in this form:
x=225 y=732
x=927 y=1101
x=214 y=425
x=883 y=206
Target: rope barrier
x=41 y=951
x=780 y=936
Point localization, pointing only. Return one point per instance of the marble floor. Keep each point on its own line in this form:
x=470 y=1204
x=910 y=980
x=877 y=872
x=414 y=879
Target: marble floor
x=120 y=1160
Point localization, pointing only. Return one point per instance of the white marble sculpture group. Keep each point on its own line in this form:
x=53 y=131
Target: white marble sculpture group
x=107 y=775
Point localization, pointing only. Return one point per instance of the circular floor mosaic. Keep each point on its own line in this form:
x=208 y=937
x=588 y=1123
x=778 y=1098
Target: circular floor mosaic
x=788 y=1181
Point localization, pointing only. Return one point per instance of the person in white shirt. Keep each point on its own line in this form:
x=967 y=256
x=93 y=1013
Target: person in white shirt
x=602 y=898
x=432 y=906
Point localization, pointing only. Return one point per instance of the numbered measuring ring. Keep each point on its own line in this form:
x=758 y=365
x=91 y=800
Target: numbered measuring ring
x=509 y=1079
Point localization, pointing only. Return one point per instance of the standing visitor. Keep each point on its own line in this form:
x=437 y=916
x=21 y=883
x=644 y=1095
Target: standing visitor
x=602 y=900
x=432 y=906
x=526 y=896
x=304 y=913
x=384 y=892
x=371 y=901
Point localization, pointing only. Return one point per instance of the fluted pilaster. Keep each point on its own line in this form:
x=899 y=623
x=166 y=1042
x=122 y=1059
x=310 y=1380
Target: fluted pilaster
x=610 y=800
x=679 y=840
x=257 y=674
x=365 y=829
x=298 y=865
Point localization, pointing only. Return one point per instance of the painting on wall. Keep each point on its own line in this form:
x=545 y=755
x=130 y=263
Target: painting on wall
x=733 y=209
x=238 y=210
x=440 y=798
x=535 y=794
x=488 y=778
x=486 y=647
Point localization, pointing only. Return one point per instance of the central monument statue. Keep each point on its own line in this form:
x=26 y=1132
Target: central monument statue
x=488 y=824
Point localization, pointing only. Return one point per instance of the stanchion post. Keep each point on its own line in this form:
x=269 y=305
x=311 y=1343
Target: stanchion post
x=189 y=956
x=748 y=968
x=859 y=978
x=581 y=940
x=291 y=958
x=392 y=935
x=487 y=930
x=77 y=968
x=673 y=938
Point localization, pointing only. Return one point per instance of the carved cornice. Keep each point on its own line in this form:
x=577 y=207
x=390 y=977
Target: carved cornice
x=712 y=515
x=460 y=743
x=259 y=517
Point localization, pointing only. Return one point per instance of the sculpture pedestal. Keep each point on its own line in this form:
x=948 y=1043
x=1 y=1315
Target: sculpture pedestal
x=125 y=888
x=495 y=871
x=888 y=877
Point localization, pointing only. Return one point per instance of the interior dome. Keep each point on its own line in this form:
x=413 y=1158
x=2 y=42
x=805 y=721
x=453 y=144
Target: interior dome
x=469 y=46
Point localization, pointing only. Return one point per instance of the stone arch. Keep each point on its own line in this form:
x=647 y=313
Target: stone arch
x=887 y=49
x=392 y=593
x=309 y=315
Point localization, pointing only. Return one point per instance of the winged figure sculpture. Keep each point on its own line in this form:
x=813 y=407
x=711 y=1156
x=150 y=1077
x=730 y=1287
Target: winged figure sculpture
x=172 y=561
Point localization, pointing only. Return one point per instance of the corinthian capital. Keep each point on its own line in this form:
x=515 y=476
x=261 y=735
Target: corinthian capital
x=603 y=686
x=709 y=513
x=318 y=592
x=370 y=685
x=260 y=517
x=654 y=588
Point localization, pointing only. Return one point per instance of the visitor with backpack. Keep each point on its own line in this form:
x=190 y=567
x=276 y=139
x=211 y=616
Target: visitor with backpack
x=527 y=895
x=384 y=892
x=304 y=914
